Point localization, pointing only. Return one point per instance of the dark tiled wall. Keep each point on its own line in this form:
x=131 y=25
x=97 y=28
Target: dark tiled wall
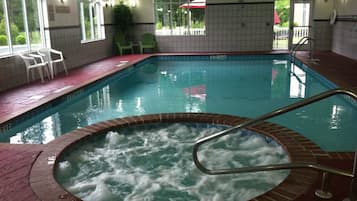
x=12 y=72
x=345 y=39
x=322 y=35
x=229 y=27
x=240 y=27
x=68 y=40
x=142 y=28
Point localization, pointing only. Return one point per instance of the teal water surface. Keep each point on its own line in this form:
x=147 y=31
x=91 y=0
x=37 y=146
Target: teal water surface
x=236 y=85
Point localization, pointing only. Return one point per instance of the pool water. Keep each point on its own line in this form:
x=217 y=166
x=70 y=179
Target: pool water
x=153 y=163
x=246 y=86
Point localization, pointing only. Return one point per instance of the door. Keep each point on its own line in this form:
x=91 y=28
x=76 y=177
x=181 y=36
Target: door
x=281 y=24
x=300 y=22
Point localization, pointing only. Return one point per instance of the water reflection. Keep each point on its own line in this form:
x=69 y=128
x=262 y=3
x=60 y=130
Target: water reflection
x=149 y=73
x=279 y=79
x=120 y=106
x=297 y=82
x=40 y=133
x=139 y=108
x=286 y=75
x=336 y=117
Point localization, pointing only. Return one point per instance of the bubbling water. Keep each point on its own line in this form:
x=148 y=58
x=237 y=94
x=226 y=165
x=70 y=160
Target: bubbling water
x=154 y=162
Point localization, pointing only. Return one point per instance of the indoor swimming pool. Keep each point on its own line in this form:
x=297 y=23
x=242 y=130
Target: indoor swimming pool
x=246 y=86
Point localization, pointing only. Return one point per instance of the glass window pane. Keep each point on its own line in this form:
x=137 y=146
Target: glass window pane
x=180 y=17
x=159 y=16
x=301 y=21
x=96 y=21
x=17 y=25
x=91 y=20
x=23 y=22
x=197 y=21
x=176 y=20
x=86 y=20
x=33 y=24
x=4 y=49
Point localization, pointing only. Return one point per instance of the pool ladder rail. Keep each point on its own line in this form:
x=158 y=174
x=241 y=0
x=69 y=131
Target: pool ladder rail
x=302 y=42
x=322 y=193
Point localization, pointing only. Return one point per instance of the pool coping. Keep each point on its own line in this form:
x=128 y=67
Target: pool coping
x=299 y=148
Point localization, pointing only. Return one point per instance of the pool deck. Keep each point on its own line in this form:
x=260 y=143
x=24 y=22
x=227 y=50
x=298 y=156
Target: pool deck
x=16 y=160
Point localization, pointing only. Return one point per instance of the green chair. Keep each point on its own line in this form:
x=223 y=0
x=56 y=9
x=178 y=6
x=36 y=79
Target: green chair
x=123 y=44
x=147 y=41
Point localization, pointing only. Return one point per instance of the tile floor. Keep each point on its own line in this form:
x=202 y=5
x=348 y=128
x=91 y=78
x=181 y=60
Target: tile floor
x=16 y=160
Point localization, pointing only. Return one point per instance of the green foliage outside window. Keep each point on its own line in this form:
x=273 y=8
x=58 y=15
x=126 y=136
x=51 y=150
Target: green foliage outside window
x=18 y=28
x=35 y=37
x=3 y=40
x=158 y=25
x=197 y=25
x=283 y=9
x=13 y=27
x=20 y=39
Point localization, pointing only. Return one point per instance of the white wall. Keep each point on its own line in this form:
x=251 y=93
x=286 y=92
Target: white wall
x=346 y=7
x=144 y=11
x=344 y=32
x=63 y=19
x=323 y=9
x=108 y=15
x=72 y=18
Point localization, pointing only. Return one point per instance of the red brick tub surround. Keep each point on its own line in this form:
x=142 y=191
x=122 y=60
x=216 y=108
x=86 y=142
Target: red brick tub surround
x=298 y=147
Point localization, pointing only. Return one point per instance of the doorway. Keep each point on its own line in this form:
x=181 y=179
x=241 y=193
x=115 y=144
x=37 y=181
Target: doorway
x=281 y=24
x=292 y=20
x=300 y=25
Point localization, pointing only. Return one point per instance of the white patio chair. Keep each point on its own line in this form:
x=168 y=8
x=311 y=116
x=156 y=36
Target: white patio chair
x=32 y=64
x=47 y=54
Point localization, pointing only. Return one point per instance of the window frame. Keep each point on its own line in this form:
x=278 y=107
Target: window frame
x=10 y=45
x=96 y=25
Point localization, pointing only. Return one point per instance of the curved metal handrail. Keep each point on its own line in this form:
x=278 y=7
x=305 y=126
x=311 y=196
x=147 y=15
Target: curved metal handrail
x=275 y=113
x=301 y=42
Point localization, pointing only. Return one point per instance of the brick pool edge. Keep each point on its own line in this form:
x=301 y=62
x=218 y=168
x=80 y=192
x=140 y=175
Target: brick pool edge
x=299 y=148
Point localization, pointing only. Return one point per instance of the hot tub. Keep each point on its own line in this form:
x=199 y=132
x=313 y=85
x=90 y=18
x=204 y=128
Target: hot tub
x=149 y=158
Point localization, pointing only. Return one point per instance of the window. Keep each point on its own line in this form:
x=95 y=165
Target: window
x=91 y=20
x=180 y=17
x=20 y=26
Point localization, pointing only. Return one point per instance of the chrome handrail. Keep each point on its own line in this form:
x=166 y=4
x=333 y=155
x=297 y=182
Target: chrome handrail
x=301 y=42
x=353 y=188
x=259 y=119
x=283 y=166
